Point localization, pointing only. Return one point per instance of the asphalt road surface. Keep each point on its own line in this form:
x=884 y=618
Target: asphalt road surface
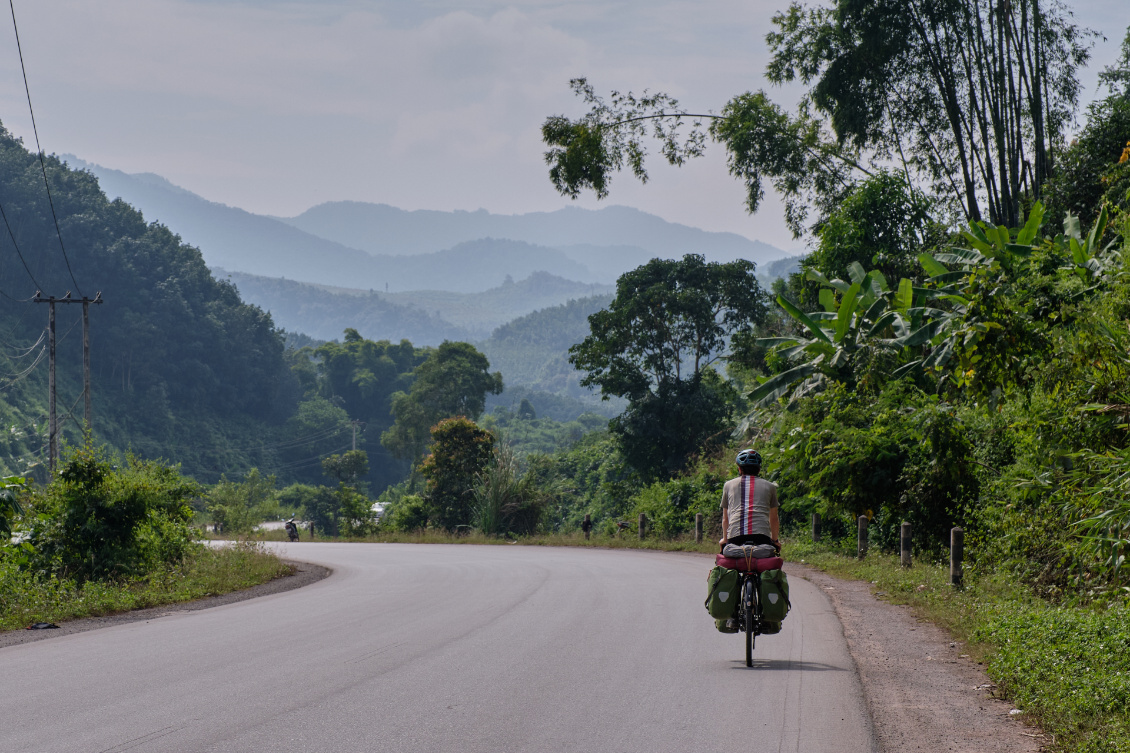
x=447 y=648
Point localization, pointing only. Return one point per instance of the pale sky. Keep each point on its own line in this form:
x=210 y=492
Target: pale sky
x=436 y=104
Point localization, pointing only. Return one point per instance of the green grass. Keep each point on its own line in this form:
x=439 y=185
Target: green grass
x=26 y=598
x=1066 y=666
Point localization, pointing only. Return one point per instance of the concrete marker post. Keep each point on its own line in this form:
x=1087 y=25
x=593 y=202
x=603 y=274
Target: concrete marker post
x=587 y=526
x=698 y=528
x=815 y=528
x=957 y=552
x=643 y=525
x=862 y=541
x=904 y=543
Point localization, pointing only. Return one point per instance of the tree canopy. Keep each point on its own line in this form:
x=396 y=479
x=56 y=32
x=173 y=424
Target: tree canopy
x=669 y=322
x=971 y=99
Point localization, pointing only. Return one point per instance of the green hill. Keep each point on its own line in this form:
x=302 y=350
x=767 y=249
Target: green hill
x=182 y=368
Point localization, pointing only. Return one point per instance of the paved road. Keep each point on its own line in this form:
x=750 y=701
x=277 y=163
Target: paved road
x=447 y=648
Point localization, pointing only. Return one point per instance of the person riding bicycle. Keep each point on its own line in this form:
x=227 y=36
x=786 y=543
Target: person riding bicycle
x=749 y=512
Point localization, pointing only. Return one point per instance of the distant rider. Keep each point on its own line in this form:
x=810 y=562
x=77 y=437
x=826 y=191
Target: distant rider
x=749 y=510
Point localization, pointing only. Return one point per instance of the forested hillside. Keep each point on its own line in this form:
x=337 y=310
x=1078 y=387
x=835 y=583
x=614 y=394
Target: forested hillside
x=181 y=367
x=533 y=350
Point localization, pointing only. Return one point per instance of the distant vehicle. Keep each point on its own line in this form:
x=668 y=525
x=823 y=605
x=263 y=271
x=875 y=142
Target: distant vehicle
x=291 y=530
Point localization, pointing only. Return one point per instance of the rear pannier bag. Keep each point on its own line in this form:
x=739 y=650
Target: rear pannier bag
x=722 y=593
x=774 y=596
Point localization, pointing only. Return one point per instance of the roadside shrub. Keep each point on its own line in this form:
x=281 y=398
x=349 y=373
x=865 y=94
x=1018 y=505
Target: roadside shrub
x=239 y=506
x=409 y=513
x=900 y=455
x=96 y=520
x=671 y=506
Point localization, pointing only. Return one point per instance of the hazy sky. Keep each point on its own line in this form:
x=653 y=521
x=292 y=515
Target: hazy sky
x=277 y=106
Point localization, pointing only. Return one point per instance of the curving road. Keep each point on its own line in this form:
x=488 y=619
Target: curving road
x=447 y=648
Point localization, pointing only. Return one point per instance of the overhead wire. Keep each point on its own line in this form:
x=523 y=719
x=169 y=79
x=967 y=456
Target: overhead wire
x=39 y=152
x=23 y=350
x=16 y=245
x=24 y=374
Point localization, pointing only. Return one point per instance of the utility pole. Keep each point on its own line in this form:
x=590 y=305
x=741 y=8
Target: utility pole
x=53 y=419
x=354 y=422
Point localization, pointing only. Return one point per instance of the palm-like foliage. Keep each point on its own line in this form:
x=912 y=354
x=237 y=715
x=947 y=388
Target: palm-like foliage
x=867 y=313
x=956 y=307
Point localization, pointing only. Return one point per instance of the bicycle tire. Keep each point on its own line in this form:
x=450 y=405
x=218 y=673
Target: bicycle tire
x=748 y=597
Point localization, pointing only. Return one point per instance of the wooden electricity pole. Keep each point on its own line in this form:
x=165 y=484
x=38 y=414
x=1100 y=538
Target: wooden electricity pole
x=53 y=419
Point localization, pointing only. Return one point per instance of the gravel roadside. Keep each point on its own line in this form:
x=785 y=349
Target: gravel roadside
x=304 y=574
x=923 y=692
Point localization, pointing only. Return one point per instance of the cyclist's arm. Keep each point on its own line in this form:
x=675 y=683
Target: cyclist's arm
x=774 y=524
x=725 y=524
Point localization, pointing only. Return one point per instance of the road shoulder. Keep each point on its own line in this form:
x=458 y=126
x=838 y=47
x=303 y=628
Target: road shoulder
x=924 y=694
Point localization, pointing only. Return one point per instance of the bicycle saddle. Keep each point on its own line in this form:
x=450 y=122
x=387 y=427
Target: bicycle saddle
x=755 y=565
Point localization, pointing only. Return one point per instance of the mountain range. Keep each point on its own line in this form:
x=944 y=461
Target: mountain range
x=379 y=247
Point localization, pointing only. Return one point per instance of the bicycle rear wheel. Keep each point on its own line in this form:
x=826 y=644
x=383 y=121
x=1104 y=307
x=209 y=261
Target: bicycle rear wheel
x=748 y=608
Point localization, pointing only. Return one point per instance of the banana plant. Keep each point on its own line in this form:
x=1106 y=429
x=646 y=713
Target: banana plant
x=866 y=310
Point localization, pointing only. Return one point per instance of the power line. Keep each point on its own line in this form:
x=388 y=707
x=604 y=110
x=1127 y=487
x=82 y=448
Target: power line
x=39 y=149
x=17 y=247
x=24 y=352
x=23 y=374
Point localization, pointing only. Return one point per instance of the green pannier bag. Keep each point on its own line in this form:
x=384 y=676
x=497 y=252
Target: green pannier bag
x=722 y=594
x=726 y=626
x=774 y=596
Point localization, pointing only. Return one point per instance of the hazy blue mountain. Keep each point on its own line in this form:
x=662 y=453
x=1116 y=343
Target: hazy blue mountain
x=369 y=245
x=482 y=312
x=424 y=317
x=782 y=267
x=383 y=229
x=231 y=238
x=323 y=312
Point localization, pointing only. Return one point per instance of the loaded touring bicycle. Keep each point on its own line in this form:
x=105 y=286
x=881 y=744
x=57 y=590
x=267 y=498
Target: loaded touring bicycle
x=761 y=591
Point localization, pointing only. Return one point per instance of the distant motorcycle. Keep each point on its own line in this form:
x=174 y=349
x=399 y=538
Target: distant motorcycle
x=291 y=530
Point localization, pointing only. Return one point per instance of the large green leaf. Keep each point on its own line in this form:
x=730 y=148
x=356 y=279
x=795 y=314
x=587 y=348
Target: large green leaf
x=856 y=272
x=1097 y=231
x=776 y=386
x=1028 y=233
x=847 y=310
x=827 y=299
x=921 y=335
x=803 y=318
x=962 y=256
x=875 y=310
x=816 y=276
x=889 y=319
x=932 y=266
x=1071 y=227
x=904 y=297
x=949 y=278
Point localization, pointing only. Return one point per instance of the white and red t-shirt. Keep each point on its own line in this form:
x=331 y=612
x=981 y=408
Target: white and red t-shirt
x=749 y=500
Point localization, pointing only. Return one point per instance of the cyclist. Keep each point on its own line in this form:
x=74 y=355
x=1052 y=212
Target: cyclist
x=749 y=511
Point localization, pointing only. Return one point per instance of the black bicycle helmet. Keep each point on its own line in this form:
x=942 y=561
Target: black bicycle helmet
x=748 y=459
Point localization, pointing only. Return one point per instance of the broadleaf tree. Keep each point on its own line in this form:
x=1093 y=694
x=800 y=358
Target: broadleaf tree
x=669 y=323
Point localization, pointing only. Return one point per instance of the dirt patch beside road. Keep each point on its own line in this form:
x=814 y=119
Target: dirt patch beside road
x=923 y=693
x=304 y=574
